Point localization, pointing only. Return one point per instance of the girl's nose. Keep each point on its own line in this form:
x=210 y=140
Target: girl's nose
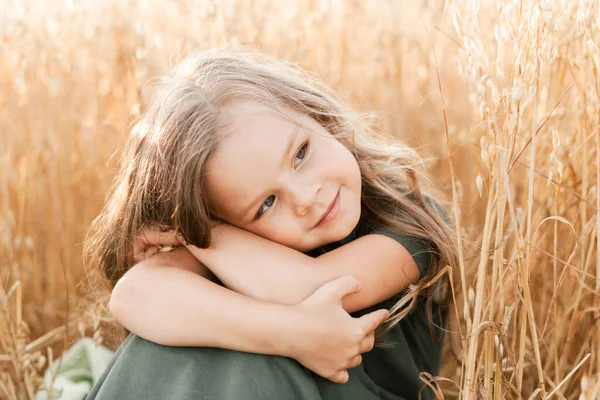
x=303 y=197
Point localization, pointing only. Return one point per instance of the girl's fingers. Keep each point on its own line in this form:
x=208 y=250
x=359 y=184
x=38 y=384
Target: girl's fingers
x=340 y=377
x=155 y=237
x=139 y=246
x=337 y=288
x=149 y=237
x=149 y=241
x=371 y=321
x=356 y=361
x=144 y=253
x=367 y=343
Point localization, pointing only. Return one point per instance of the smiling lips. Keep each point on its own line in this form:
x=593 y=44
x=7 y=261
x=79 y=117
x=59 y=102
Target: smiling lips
x=331 y=211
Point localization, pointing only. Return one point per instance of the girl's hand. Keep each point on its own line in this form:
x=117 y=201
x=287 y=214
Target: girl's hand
x=331 y=341
x=150 y=241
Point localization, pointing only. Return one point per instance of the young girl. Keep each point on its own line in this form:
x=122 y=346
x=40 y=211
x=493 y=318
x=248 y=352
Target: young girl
x=261 y=211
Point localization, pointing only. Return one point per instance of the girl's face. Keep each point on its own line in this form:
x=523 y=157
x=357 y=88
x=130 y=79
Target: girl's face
x=294 y=184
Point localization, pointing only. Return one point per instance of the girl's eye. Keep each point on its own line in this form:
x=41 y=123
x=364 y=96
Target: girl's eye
x=300 y=154
x=264 y=207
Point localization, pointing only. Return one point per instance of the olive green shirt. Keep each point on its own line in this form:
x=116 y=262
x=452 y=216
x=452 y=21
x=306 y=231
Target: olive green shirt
x=391 y=370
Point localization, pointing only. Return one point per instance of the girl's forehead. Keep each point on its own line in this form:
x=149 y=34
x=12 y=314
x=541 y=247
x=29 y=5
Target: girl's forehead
x=251 y=152
x=253 y=127
x=242 y=113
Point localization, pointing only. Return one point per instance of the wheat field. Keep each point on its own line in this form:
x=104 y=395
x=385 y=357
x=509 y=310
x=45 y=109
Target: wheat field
x=502 y=97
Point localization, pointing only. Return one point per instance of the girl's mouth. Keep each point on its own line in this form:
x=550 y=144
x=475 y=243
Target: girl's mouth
x=331 y=211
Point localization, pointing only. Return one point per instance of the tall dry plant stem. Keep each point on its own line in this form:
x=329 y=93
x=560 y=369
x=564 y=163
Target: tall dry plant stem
x=455 y=200
x=525 y=272
x=596 y=65
x=470 y=385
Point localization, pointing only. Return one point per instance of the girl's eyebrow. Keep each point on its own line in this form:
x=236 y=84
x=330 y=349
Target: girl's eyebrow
x=284 y=158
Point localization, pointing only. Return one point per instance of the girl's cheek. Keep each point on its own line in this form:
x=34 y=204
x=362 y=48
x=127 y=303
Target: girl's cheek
x=283 y=235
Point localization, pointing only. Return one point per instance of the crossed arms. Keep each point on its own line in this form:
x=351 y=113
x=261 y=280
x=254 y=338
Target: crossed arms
x=275 y=300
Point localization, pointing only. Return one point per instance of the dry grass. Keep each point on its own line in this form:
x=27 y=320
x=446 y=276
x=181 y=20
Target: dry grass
x=516 y=123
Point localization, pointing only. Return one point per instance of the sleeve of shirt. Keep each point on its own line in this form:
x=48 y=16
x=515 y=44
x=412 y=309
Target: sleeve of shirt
x=419 y=249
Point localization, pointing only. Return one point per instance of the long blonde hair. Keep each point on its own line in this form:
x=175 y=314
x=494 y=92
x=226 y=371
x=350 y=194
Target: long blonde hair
x=161 y=179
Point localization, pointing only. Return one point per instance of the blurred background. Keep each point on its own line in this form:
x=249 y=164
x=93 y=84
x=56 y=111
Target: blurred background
x=501 y=97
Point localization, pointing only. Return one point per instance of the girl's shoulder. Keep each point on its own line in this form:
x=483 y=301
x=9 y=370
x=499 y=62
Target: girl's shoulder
x=367 y=225
x=419 y=248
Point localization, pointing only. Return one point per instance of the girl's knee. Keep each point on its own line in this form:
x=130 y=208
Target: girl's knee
x=154 y=371
x=218 y=361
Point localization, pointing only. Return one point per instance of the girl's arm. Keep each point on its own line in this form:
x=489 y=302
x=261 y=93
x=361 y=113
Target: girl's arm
x=173 y=308
x=262 y=269
x=166 y=300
